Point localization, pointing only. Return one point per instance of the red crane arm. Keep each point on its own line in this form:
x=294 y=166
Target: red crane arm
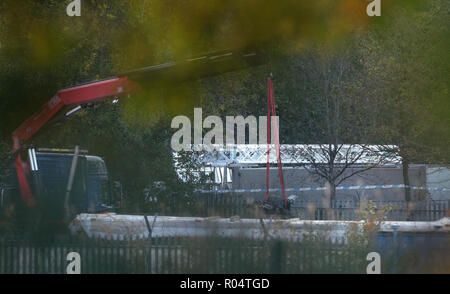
x=207 y=65
x=70 y=97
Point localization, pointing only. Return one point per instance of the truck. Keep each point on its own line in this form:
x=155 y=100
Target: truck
x=92 y=189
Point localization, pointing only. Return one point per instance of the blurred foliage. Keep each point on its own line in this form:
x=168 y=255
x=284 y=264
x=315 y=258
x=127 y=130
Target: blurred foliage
x=51 y=50
x=410 y=68
x=5 y=157
x=395 y=86
x=385 y=85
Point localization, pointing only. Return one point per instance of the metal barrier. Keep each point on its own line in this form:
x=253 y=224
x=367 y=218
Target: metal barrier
x=417 y=254
x=237 y=204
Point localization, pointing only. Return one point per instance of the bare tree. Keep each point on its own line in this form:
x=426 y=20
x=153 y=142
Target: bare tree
x=336 y=163
x=341 y=117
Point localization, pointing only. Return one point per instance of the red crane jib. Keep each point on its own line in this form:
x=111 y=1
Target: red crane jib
x=86 y=93
x=271 y=111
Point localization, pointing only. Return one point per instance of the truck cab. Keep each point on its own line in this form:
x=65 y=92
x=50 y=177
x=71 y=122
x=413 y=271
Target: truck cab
x=91 y=192
x=100 y=193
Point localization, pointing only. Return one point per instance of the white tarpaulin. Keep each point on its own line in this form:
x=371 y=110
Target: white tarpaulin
x=125 y=227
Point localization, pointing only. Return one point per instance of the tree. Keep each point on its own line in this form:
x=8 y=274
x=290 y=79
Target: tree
x=405 y=65
x=338 y=117
x=336 y=163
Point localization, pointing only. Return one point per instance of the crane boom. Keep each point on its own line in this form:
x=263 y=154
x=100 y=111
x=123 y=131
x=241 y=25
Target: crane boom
x=83 y=94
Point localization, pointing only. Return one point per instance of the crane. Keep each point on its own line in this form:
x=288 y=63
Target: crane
x=69 y=101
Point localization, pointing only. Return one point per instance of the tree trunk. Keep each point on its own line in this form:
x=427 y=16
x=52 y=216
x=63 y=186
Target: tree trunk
x=332 y=198
x=405 y=166
x=332 y=194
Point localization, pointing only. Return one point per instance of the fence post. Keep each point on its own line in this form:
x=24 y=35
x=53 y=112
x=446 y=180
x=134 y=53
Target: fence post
x=277 y=257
